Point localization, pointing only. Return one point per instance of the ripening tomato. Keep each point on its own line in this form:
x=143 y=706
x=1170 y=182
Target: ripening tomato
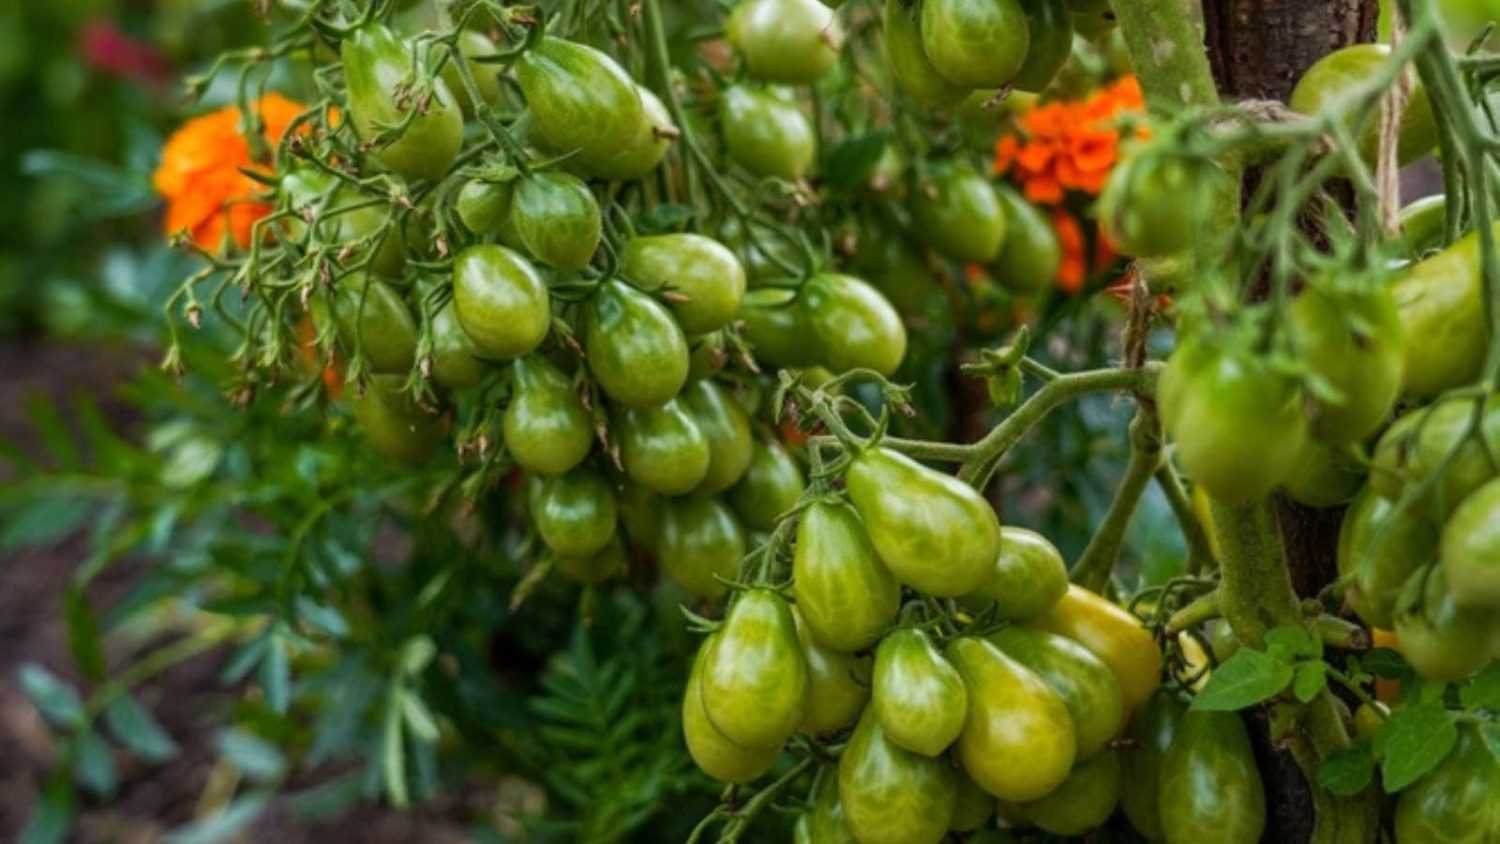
x=340 y=216
x=372 y=317
x=936 y=533
x=1443 y=641
x=790 y=41
x=766 y=132
x=595 y=568
x=1470 y=549
x=1030 y=254
x=635 y=349
x=454 y=356
x=1327 y=85
x=975 y=43
x=1210 y=788
x=663 y=448
x=1158 y=206
x=1354 y=342
x=547 y=430
x=1086 y=685
x=852 y=324
x=1324 y=475
x=1140 y=787
x=838 y=684
x=502 y=303
x=826 y=820
x=376 y=65
x=1379 y=548
x=917 y=695
x=1440 y=300
x=699 y=542
x=557 y=218
x=1049 y=46
x=1114 y=635
x=776 y=325
x=846 y=594
x=582 y=102
x=907 y=59
x=1029 y=576
x=1455 y=804
x=771 y=485
x=392 y=423
x=1084 y=801
x=959 y=214
x=755 y=675
x=704 y=278
x=891 y=795
x=726 y=427
x=574 y=513
x=715 y=754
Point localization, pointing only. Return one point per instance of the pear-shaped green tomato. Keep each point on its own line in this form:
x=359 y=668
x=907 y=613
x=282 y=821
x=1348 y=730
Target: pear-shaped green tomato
x=1355 y=343
x=777 y=327
x=486 y=76
x=766 y=132
x=547 y=430
x=1030 y=254
x=771 y=485
x=846 y=594
x=575 y=513
x=1113 y=635
x=853 y=324
x=1029 y=576
x=726 y=427
x=378 y=68
x=826 y=821
x=582 y=102
x=891 y=795
x=700 y=541
x=1325 y=475
x=918 y=696
x=912 y=72
x=557 y=219
x=975 y=43
x=635 y=349
x=341 y=216
x=502 y=302
x=1018 y=741
x=973 y=808
x=1050 y=43
x=1329 y=82
x=1455 y=804
x=790 y=41
x=958 y=212
x=1156 y=207
x=663 y=448
x=1417 y=446
x=838 y=684
x=1210 y=789
x=484 y=207
x=704 y=281
x=392 y=423
x=1086 y=685
x=1379 y=548
x=1440 y=300
x=714 y=754
x=1084 y=801
x=1471 y=549
x=1151 y=731
x=372 y=318
x=647 y=152
x=755 y=674
x=640 y=515
x=1443 y=641
x=595 y=568
x=934 y=532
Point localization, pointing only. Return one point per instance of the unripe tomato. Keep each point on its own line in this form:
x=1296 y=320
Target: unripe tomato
x=486 y=76
x=557 y=219
x=1084 y=801
x=484 y=208
x=935 y=532
x=826 y=820
x=574 y=513
x=700 y=541
x=1455 y=804
x=1030 y=254
x=1018 y=741
x=454 y=361
x=1441 y=303
x=852 y=324
x=895 y=269
x=581 y=101
x=755 y=676
x=975 y=43
x=1471 y=549
x=376 y=64
x=1411 y=453
x=663 y=448
x=766 y=132
x=714 y=754
x=643 y=156
x=1085 y=684
x=959 y=214
x=1378 y=550
x=891 y=795
x=635 y=349
x=917 y=695
x=1423 y=222
x=392 y=423
x=344 y=219
x=595 y=568
x=502 y=303
x=913 y=74
x=1114 y=635
x=838 y=684
x=371 y=316
x=1210 y=789
x=1028 y=577
x=640 y=515
x=846 y=594
x=777 y=326
x=1324 y=475
x=756 y=255
x=771 y=486
x=726 y=427
x=546 y=428
x=1329 y=82
x=699 y=271
x=791 y=41
x=1443 y=641
x=1369 y=719
x=1050 y=43
x=1151 y=731
x=1354 y=342
x=1155 y=207
x=972 y=808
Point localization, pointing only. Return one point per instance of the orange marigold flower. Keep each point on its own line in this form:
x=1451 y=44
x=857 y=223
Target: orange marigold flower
x=1044 y=190
x=1067 y=145
x=1073 y=268
x=199 y=174
x=1005 y=153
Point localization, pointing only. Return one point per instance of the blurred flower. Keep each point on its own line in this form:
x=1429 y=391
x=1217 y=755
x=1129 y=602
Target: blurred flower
x=200 y=176
x=1067 y=145
x=105 y=47
x=1073 y=269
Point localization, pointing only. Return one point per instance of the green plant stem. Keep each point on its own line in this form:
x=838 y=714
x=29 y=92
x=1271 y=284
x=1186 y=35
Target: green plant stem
x=1165 y=40
x=1097 y=562
x=1203 y=608
x=1200 y=549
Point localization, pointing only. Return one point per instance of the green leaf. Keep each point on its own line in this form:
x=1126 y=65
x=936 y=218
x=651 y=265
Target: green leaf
x=393 y=758
x=1349 y=771
x=853 y=162
x=1311 y=678
x=56 y=700
x=255 y=757
x=83 y=634
x=664 y=218
x=323 y=618
x=1483 y=689
x=275 y=675
x=54 y=431
x=1489 y=731
x=1385 y=663
x=53 y=816
x=248 y=657
x=94 y=763
x=1414 y=741
x=137 y=729
x=1291 y=641
x=1245 y=679
x=225 y=825
x=416 y=654
x=43 y=521
x=418 y=717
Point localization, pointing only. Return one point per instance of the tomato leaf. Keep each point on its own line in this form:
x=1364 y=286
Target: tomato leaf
x=1483 y=689
x=1245 y=679
x=1312 y=677
x=1347 y=772
x=1416 y=739
x=1290 y=641
x=1385 y=663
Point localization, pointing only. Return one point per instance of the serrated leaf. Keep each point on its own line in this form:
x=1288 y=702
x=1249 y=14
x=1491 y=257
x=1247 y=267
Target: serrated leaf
x=55 y=699
x=1245 y=679
x=1290 y=642
x=1483 y=689
x=1414 y=741
x=133 y=726
x=1311 y=678
x=94 y=763
x=255 y=757
x=83 y=634
x=225 y=825
x=1347 y=772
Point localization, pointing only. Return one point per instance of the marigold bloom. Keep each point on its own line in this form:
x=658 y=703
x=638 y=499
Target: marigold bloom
x=1067 y=145
x=199 y=174
x=1073 y=269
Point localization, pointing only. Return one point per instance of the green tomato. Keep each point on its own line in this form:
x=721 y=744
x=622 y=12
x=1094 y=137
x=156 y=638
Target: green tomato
x=897 y=270
x=595 y=568
x=1324 y=476
x=547 y=430
x=891 y=795
x=1210 y=788
x=635 y=349
x=1018 y=742
x=703 y=279
x=715 y=754
x=372 y=317
x=454 y=356
x=376 y=64
x=664 y=449
x=771 y=486
x=1050 y=43
x=935 y=532
x=757 y=255
x=486 y=76
x=1379 y=548
x=1083 y=802
x=1329 y=83
x=640 y=515
x=1441 y=303
x=1159 y=206
x=340 y=216
x=975 y=43
x=777 y=327
x=1470 y=549
x=392 y=423
x=582 y=102
x=917 y=695
x=1030 y=254
x=846 y=595
x=502 y=303
x=959 y=214
x=1455 y=804
x=826 y=821
x=789 y=41
x=726 y=427
x=643 y=156
x=1411 y=453
x=1140 y=786
x=1443 y=641
x=755 y=675
x=838 y=684
x=973 y=807
x=574 y=513
x=700 y=541
x=1112 y=634
x=766 y=132
x=1028 y=577
x=1423 y=224
x=1354 y=342
x=1086 y=685
x=557 y=218
x=913 y=74
x=852 y=324
x=484 y=209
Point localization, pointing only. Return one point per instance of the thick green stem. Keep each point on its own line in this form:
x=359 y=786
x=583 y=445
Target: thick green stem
x=1165 y=40
x=1200 y=549
x=1097 y=563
